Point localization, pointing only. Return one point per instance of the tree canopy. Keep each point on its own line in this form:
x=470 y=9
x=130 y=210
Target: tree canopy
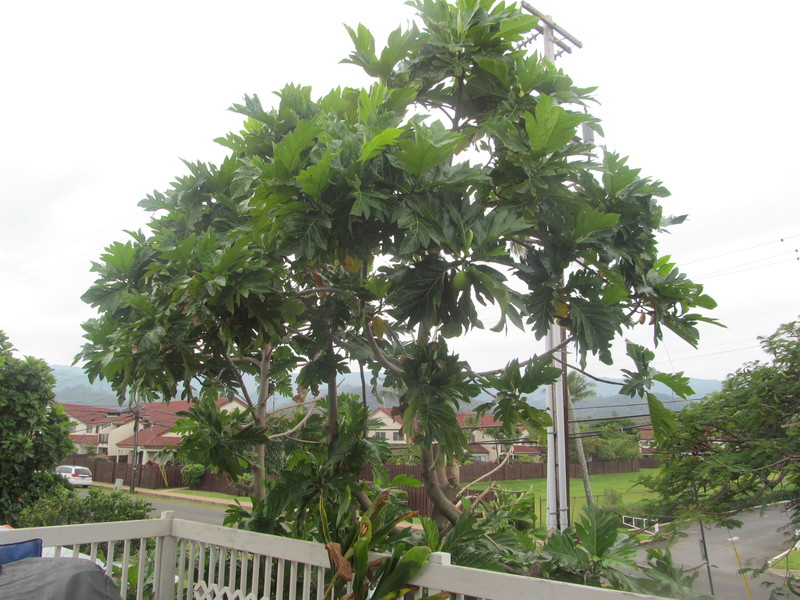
x=739 y=447
x=370 y=226
x=34 y=432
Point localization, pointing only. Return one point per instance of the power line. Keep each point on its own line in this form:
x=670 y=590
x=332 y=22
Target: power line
x=74 y=241
x=752 y=262
x=740 y=250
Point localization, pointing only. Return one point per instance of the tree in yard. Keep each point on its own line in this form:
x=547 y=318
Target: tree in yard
x=34 y=432
x=370 y=225
x=739 y=447
x=579 y=388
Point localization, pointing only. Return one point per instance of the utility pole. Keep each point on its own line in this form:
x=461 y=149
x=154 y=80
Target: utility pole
x=556 y=41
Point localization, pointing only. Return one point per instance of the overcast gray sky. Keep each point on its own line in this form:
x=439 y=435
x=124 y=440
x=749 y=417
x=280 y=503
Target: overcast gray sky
x=100 y=100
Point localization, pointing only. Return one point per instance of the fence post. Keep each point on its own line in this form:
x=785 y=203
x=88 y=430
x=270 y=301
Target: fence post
x=166 y=555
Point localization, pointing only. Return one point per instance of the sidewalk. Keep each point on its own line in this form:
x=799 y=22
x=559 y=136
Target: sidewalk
x=176 y=494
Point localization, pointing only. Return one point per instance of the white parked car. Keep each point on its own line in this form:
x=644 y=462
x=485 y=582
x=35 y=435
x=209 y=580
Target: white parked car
x=75 y=475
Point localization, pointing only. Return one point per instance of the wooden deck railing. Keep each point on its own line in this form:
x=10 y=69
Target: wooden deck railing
x=176 y=559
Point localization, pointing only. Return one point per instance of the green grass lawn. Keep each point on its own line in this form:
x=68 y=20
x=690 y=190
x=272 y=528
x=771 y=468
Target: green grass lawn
x=790 y=561
x=205 y=494
x=606 y=489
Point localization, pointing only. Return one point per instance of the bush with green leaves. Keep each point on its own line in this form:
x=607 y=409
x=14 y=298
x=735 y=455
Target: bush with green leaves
x=192 y=474
x=34 y=432
x=66 y=507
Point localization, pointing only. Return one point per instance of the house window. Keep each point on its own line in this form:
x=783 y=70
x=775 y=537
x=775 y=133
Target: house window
x=379 y=434
x=102 y=438
x=397 y=436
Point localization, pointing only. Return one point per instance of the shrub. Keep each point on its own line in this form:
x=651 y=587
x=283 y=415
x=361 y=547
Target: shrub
x=65 y=507
x=191 y=475
x=244 y=485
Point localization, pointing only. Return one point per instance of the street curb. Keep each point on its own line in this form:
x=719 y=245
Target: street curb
x=174 y=494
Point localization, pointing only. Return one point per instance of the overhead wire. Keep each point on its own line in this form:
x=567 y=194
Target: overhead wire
x=72 y=242
x=697 y=260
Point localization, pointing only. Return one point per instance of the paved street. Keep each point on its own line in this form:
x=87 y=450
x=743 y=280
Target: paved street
x=203 y=513
x=756 y=541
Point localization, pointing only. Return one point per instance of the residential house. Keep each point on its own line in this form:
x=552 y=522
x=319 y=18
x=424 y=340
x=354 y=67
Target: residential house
x=110 y=431
x=89 y=427
x=483 y=445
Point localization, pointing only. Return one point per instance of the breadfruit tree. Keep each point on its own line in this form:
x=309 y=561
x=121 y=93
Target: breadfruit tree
x=371 y=225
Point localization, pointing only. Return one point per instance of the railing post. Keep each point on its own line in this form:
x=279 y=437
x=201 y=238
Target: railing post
x=164 y=575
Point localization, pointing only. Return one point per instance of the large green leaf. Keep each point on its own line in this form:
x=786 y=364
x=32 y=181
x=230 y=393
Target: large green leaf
x=288 y=153
x=597 y=530
x=662 y=418
x=550 y=127
x=430 y=147
x=590 y=220
x=393 y=581
x=374 y=146
x=316 y=178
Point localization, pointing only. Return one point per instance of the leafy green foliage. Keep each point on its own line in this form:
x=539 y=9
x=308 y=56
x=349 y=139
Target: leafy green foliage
x=65 y=507
x=351 y=227
x=313 y=493
x=665 y=579
x=217 y=438
x=513 y=386
x=385 y=578
x=435 y=383
x=592 y=551
x=34 y=432
x=191 y=474
x=612 y=440
x=738 y=447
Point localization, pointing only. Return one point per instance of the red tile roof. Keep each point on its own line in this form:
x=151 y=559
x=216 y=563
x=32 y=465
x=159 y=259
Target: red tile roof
x=84 y=438
x=388 y=412
x=160 y=416
x=157 y=436
x=478 y=449
x=523 y=449
x=91 y=415
x=462 y=417
x=472 y=420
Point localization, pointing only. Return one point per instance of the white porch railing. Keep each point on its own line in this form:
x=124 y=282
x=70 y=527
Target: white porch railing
x=175 y=559
x=648 y=525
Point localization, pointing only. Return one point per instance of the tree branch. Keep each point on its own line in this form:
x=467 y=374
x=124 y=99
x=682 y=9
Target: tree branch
x=479 y=498
x=296 y=427
x=387 y=363
x=586 y=373
x=525 y=363
x=239 y=378
x=485 y=475
x=317 y=290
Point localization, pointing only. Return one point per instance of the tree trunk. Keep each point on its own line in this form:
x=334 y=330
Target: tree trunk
x=445 y=511
x=333 y=407
x=258 y=469
x=573 y=429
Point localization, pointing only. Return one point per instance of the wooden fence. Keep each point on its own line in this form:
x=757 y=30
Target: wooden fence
x=154 y=477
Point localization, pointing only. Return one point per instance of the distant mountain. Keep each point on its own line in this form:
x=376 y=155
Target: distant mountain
x=73 y=387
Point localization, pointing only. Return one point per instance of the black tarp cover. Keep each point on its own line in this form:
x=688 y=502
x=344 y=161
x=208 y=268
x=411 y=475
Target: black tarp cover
x=55 y=579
